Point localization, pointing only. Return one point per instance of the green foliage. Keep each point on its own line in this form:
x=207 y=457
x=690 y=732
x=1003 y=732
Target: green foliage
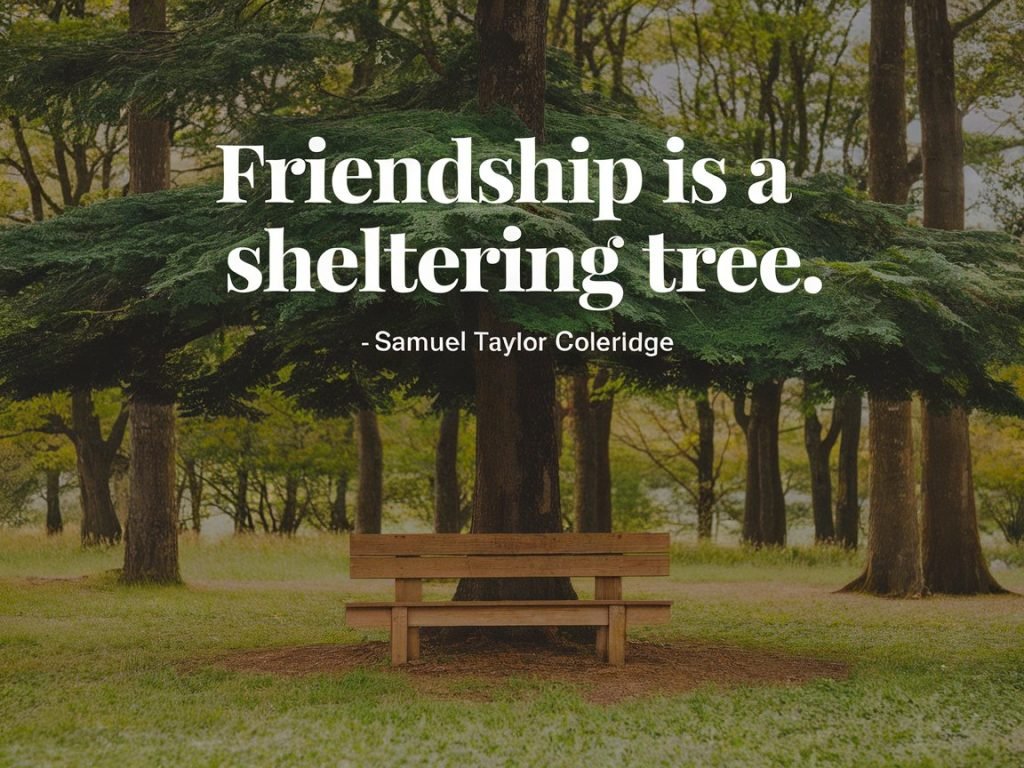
x=101 y=295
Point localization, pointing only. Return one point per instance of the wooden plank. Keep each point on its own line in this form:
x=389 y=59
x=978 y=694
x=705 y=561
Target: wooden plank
x=616 y=635
x=410 y=591
x=505 y=566
x=399 y=635
x=427 y=544
x=605 y=588
x=534 y=615
x=378 y=615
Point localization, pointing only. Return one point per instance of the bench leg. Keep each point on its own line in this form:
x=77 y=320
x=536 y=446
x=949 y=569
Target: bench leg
x=410 y=591
x=399 y=636
x=617 y=635
x=605 y=588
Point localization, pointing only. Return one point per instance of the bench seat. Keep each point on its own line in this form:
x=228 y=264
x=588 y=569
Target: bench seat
x=509 y=613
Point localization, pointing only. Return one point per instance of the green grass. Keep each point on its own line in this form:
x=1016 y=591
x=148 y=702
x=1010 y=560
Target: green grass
x=91 y=674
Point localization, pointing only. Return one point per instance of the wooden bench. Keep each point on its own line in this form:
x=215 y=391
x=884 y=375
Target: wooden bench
x=409 y=559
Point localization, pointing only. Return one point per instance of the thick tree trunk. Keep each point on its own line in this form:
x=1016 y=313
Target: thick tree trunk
x=951 y=547
x=764 y=506
x=447 y=496
x=94 y=458
x=705 y=466
x=848 y=411
x=151 y=535
x=517 y=487
x=511 y=38
x=54 y=519
x=151 y=545
x=370 y=498
x=894 y=551
x=894 y=559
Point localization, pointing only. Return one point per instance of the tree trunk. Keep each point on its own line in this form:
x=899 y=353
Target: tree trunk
x=366 y=33
x=951 y=547
x=894 y=550
x=818 y=461
x=705 y=466
x=290 y=514
x=243 y=514
x=511 y=40
x=370 y=499
x=894 y=560
x=195 y=494
x=151 y=546
x=764 y=505
x=516 y=487
x=151 y=535
x=339 y=506
x=751 y=532
x=585 y=458
x=54 y=519
x=94 y=458
x=848 y=411
x=447 y=501
x=601 y=413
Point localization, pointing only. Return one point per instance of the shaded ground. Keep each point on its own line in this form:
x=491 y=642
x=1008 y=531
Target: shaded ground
x=470 y=670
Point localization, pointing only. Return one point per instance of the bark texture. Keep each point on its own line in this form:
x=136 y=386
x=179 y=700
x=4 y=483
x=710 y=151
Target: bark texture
x=764 y=508
x=54 y=519
x=370 y=498
x=894 y=558
x=894 y=551
x=511 y=37
x=951 y=548
x=705 y=461
x=94 y=458
x=447 y=495
x=592 y=501
x=151 y=536
x=819 y=459
x=516 y=487
x=849 y=412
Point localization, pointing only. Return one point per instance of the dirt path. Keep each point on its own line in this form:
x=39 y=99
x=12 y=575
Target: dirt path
x=472 y=670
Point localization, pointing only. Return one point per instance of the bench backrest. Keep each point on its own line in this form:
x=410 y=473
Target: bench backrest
x=505 y=555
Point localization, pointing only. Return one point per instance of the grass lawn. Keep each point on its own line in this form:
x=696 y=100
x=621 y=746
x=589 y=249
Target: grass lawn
x=92 y=674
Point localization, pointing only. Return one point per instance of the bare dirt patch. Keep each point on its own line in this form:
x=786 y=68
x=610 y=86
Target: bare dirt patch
x=471 y=670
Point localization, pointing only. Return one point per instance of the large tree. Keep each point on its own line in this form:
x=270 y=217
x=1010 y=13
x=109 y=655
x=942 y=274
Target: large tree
x=893 y=560
x=951 y=549
x=151 y=536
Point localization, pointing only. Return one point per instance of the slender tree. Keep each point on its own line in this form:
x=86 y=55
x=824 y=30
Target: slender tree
x=951 y=548
x=151 y=538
